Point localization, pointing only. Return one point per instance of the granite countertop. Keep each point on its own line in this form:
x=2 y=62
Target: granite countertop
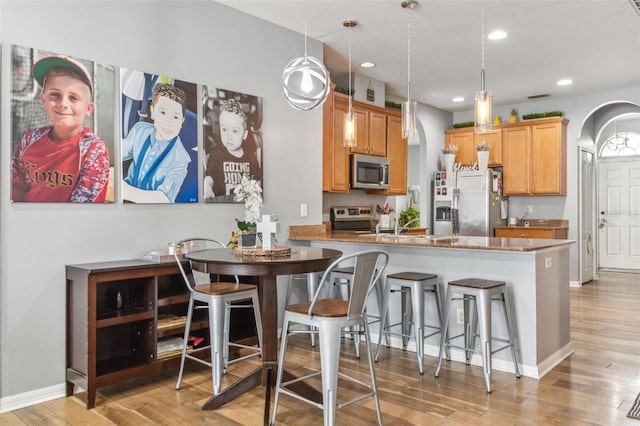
x=539 y=224
x=324 y=233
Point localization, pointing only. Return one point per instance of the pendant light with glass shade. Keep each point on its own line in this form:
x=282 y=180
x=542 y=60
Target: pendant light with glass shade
x=350 y=125
x=482 y=107
x=408 y=108
x=305 y=81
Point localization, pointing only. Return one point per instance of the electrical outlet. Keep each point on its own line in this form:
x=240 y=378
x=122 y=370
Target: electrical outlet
x=529 y=209
x=303 y=210
x=460 y=316
x=548 y=263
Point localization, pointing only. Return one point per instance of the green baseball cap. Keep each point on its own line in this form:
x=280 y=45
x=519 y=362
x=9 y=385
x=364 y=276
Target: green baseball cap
x=43 y=65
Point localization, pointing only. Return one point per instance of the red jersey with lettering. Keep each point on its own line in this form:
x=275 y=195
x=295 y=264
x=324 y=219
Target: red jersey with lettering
x=75 y=169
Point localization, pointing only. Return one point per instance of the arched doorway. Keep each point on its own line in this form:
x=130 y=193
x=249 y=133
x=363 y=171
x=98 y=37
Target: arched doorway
x=609 y=170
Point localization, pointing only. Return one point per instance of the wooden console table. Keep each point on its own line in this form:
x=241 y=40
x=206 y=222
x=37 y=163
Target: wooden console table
x=112 y=321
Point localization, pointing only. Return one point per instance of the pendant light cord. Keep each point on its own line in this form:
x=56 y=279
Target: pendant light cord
x=482 y=49
x=408 y=53
x=350 y=69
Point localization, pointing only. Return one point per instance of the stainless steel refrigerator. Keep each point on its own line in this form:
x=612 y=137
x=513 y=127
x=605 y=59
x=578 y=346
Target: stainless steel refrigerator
x=468 y=203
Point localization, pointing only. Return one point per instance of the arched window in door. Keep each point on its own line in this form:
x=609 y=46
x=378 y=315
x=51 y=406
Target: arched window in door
x=621 y=144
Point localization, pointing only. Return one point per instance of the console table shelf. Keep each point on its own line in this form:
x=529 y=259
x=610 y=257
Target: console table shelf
x=112 y=321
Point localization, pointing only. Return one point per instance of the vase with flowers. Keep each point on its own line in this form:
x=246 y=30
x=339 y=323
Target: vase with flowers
x=384 y=220
x=249 y=191
x=483 y=155
x=449 y=153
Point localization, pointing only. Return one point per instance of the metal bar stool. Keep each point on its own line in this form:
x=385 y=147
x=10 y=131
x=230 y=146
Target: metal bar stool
x=413 y=286
x=479 y=292
x=341 y=279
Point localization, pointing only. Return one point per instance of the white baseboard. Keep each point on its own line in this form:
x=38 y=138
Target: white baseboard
x=26 y=399
x=575 y=284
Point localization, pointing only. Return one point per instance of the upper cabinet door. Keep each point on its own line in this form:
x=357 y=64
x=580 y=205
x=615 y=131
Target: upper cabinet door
x=494 y=141
x=335 y=157
x=516 y=146
x=397 y=151
x=549 y=158
x=377 y=133
x=463 y=139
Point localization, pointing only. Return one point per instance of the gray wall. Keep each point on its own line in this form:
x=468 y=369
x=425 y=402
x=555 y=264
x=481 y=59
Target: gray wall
x=196 y=41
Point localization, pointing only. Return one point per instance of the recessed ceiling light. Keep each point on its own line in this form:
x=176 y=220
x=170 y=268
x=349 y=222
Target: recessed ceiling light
x=565 y=82
x=367 y=64
x=497 y=35
x=458 y=99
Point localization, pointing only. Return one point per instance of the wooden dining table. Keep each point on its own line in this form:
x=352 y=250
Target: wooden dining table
x=226 y=261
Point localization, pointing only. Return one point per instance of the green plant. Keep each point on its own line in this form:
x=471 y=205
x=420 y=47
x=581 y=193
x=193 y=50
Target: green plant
x=542 y=115
x=514 y=111
x=463 y=124
x=407 y=215
x=344 y=90
x=392 y=104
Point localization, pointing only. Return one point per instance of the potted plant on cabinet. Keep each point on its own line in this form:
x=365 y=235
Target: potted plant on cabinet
x=513 y=118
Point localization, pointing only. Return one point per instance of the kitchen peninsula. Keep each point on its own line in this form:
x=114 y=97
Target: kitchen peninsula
x=536 y=272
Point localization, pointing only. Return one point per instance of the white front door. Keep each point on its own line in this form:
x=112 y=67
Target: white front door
x=619 y=214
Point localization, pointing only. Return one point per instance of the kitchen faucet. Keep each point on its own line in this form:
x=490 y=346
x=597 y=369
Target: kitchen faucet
x=397 y=231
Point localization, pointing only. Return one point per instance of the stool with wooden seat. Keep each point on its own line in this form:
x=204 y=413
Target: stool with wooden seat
x=412 y=286
x=330 y=316
x=481 y=293
x=341 y=279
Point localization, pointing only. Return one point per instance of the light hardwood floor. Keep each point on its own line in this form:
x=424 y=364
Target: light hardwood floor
x=595 y=386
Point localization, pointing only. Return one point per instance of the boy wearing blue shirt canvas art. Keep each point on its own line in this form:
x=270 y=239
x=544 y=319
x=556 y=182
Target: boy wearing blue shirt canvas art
x=159 y=159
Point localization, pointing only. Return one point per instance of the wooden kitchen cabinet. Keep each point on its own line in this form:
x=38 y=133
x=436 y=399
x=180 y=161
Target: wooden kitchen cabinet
x=549 y=157
x=463 y=140
x=379 y=133
x=397 y=151
x=535 y=157
x=371 y=136
x=466 y=140
x=494 y=141
x=335 y=157
x=116 y=314
x=516 y=171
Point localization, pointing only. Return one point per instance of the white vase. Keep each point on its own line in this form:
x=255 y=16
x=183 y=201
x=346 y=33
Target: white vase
x=449 y=161
x=483 y=160
x=384 y=221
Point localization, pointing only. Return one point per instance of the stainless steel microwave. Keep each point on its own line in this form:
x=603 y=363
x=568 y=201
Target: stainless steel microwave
x=369 y=172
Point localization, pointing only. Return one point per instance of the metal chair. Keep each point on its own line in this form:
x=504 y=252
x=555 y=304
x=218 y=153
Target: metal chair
x=330 y=316
x=218 y=298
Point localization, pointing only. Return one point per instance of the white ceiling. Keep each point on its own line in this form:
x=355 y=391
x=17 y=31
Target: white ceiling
x=596 y=43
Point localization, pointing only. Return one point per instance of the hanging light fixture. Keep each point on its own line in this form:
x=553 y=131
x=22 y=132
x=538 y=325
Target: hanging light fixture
x=305 y=80
x=350 y=127
x=408 y=108
x=482 y=108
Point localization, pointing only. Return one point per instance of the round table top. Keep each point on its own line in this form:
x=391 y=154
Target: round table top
x=225 y=260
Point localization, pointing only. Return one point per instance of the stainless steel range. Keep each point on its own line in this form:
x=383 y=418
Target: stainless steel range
x=351 y=218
